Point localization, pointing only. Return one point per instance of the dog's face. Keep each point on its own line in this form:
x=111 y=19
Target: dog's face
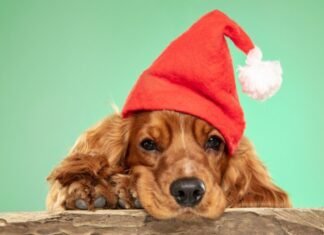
x=181 y=168
x=179 y=161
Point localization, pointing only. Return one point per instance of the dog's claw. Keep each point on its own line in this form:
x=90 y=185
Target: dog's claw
x=100 y=202
x=123 y=204
x=81 y=204
x=137 y=204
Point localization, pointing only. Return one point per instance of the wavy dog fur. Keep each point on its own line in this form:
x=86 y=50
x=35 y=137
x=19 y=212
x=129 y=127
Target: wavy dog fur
x=109 y=161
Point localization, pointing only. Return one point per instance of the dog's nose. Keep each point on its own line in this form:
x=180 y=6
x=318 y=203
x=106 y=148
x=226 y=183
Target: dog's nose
x=187 y=191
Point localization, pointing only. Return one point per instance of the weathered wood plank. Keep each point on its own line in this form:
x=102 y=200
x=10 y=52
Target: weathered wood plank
x=234 y=221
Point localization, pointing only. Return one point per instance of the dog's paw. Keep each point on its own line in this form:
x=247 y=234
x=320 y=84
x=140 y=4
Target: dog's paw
x=82 y=181
x=124 y=188
x=85 y=195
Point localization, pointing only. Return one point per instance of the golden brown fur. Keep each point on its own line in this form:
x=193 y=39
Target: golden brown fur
x=109 y=161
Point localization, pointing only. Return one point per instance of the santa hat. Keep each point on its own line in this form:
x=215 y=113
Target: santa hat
x=194 y=75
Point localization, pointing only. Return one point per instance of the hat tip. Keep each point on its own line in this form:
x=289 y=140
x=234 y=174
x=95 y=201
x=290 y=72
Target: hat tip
x=260 y=79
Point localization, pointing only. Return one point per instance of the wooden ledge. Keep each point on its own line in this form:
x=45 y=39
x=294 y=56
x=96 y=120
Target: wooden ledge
x=234 y=221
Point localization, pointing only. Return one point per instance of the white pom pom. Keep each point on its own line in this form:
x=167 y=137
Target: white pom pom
x=260 y=79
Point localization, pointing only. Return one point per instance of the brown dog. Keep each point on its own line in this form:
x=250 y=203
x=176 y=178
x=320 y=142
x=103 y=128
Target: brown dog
x=174 y=164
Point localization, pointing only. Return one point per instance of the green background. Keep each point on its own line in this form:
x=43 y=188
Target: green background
x=62 y=63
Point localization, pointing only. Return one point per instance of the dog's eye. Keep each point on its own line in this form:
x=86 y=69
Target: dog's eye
x=214 y=142
x=148 y=145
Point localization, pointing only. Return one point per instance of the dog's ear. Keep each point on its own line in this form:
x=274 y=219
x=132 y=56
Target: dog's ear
x=97 y=153
x=246 y=182
x=109 y=138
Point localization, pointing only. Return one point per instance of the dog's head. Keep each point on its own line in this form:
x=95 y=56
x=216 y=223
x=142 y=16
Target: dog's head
x=181 y=168
x=178 y=161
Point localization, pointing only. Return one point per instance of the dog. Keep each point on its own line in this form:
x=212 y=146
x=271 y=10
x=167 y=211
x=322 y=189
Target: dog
x=178 y=149
x=172 y=164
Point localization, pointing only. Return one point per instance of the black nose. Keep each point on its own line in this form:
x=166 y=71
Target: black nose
x=187 y=191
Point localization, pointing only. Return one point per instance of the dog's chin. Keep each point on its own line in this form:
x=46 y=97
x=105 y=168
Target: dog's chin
x=193 y=214
x=184 y=213
x=188 y=214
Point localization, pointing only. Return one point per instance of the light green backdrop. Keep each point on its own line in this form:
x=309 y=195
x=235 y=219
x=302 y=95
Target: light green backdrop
x=63 y=62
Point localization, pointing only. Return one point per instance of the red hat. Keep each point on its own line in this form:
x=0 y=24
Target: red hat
x=194 y=75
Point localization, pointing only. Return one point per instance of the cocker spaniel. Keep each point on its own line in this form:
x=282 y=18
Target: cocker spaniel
x=177 y=148
x=171 y=164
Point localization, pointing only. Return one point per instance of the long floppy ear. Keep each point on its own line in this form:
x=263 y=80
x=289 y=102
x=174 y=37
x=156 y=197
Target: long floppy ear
x=109 y=137
x=97 y=153
x=246 y=182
